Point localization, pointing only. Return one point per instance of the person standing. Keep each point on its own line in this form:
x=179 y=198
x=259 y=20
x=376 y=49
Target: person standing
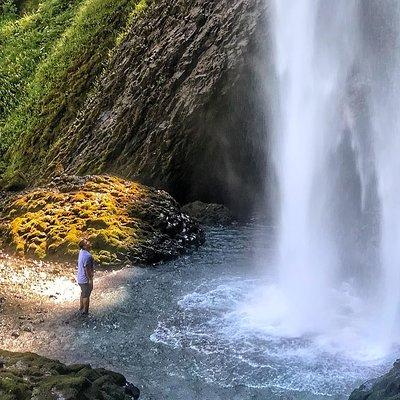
x=85 y=273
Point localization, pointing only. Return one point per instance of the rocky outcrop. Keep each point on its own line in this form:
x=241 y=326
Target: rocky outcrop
x=125 y=221
x=209 y=214
x=386 y=387
x=181 y=107
x=27 y=376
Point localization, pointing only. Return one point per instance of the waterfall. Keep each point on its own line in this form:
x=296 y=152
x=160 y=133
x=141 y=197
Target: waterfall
x=336 y=144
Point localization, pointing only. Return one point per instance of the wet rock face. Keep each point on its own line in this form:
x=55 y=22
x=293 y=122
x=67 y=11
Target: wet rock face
x=387 y=387
x=125 y=221
x=209 y=214
x=180 y=107
x=27 y=376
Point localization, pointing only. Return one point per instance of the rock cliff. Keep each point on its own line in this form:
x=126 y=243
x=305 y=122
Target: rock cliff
x=179 y=106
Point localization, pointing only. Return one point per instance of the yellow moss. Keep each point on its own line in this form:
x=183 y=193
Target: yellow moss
x=73 y=235
x=16 y=238
x=79 y=196
x=50 y=222
x=40 y=251
x=47 y=222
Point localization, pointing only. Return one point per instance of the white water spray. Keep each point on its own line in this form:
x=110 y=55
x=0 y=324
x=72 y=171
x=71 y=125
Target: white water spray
x=337 y=159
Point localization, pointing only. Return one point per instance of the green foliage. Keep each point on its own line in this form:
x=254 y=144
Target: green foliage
x=28 y=6
x=24 y=43
x=9 y=9
x=49 y=62
x=136 y=12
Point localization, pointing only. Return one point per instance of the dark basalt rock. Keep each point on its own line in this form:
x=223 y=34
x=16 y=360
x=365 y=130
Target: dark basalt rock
x=387 y=387
x=209 y=214
x=132 y=390
x=28 y=376
x=181 y=107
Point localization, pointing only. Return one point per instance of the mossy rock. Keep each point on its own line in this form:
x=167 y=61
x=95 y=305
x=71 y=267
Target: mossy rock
x=28 y=376
x=125 y=221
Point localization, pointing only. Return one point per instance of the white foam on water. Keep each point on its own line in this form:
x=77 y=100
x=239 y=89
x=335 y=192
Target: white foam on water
x=220 y=322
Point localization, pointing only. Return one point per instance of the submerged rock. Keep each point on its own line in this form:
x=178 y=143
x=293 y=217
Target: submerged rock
x=28 y=376
x=126 y=221
x=209 y=213
x=386 y=387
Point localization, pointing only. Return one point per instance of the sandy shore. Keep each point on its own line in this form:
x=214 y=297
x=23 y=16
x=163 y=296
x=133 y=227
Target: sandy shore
x=39 y=302
x=29 y=290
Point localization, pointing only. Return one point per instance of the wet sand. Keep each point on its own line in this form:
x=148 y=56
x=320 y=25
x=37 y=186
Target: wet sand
x=39 y=302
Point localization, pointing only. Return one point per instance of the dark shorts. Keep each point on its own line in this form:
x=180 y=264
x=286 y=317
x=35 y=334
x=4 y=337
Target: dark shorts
x=86 y=289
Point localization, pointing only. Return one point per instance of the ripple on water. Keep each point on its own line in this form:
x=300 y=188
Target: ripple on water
x=213 y=323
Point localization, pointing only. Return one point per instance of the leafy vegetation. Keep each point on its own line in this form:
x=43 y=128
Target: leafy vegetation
x=9 y=9
x=24 y=42
x=49 y=61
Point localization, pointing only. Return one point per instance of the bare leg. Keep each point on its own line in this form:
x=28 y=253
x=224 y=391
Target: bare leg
x=86 y=305
x=81 y=303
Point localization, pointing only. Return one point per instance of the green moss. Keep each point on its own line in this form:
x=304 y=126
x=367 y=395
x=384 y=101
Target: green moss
x=47 y=222
x=13 y=387
x=136 y=13
x=8 y=9
x=124 y=221
x=49 y=62
x=27 y=376
x=28 y=6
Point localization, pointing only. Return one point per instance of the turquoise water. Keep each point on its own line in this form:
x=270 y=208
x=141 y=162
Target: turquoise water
x=180 y=331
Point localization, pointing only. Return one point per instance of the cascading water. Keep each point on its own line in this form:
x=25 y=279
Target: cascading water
x=385 y=98
x=326 y=315
x=337 y=159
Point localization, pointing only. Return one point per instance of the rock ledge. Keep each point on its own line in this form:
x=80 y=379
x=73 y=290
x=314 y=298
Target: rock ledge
x=28 y=376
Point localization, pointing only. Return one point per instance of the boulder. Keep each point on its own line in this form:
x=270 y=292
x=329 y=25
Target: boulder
x=209 y=213
x=125 y=221
x=28 y=376
x=386 y=387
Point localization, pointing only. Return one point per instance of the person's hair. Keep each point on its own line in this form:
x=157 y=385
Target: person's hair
x=83 y=243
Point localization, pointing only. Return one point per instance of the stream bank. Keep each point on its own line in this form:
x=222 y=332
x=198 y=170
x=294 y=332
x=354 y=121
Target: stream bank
x=180 y=330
